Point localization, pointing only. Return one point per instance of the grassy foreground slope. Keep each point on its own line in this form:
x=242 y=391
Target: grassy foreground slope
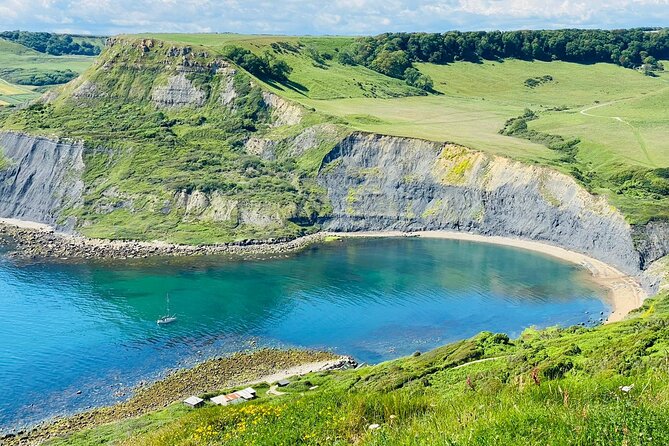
x=548 y=387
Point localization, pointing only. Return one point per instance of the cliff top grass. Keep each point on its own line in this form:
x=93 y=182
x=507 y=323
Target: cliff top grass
x=152 y=154
x=616 y=113
x=557 y=386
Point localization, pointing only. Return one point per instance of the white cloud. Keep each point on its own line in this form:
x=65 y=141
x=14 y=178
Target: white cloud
x=333 y=17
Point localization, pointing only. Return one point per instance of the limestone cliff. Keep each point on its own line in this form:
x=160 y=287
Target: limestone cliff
x=372 y=182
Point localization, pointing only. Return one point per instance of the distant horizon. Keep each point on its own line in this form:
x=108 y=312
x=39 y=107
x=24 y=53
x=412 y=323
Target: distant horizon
x=336 y=18
x=141 y=33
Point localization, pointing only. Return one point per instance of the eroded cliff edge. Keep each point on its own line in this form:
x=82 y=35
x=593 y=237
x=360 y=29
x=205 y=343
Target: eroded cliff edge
x=376 y=183
x=42 y=178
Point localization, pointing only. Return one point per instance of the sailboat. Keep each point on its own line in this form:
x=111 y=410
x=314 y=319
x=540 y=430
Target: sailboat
x=168 y=318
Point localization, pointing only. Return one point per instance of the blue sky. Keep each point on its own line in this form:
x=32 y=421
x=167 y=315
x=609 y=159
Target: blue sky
x=324 y=17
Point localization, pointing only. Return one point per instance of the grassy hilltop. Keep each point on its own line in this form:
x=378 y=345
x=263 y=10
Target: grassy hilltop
x=601 y=123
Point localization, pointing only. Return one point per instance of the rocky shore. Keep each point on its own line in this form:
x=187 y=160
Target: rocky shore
x=213 y=375
x=45 y=243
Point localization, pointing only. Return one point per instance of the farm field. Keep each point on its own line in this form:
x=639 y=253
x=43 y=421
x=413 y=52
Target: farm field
x=14 y=94
x=476 y=100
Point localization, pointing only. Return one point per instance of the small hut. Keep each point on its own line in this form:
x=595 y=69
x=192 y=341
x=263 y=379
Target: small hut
x=283 y=383
x=235 y=398
x=194 y=402
x=248 y=394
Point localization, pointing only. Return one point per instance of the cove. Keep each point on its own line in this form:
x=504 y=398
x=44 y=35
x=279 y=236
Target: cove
x=91 y=327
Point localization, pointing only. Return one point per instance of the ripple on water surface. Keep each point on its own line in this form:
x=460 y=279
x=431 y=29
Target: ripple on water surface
x=92 y=326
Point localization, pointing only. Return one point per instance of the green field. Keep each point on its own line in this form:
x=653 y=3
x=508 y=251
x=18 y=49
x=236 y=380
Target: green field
x=11 y=94
x=15 y=56
x=477 y=99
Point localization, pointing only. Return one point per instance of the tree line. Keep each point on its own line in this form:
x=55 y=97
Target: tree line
x=267 y=66
x=50 y=43
x=35 y=76
x=393 y=53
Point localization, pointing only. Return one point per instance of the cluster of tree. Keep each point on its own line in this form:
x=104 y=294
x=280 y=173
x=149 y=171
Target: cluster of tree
x=394 y=63
x=518 y=127
x=532 y=82
x=54 y=44
x=23 y=76
x=267 y=66
x=393 y=53
x=650 y=64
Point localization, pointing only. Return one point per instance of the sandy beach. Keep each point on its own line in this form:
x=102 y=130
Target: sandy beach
x=625 y=293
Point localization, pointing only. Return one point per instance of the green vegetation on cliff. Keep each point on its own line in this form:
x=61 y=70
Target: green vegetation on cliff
x=185 y=143
x=166 y=143
x=548 y=387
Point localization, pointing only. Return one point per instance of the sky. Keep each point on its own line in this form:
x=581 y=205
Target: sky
x=344 y=17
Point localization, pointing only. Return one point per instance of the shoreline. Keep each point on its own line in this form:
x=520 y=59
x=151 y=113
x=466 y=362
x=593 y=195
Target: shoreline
x=40 y=241
x=216 y=374
x=625 y=293
x=37 y=240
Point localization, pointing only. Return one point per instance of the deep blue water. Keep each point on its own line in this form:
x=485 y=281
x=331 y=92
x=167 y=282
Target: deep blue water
x=91 y=327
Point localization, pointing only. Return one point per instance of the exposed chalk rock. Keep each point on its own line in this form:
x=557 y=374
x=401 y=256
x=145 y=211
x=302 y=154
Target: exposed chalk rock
x=179 y=92
x=283 y=111
x=87 y=90
x=228 y=92
x=387 y=183
x=264 y=148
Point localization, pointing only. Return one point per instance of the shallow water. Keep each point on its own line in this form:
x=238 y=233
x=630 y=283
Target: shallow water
x=91 y=327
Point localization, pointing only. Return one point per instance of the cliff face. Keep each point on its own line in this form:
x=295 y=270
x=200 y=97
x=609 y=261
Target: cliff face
x=42 y=179
x=375 y=182
x=387 y=183
x=201 y=150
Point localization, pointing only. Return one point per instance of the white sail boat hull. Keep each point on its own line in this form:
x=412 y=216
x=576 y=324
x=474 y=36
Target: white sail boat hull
x=167 y=319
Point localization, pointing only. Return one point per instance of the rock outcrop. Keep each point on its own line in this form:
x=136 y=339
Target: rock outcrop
x=283 y=112
x=179 y=92
x=228 y=92
x=387 y=183
x=218 y=208
x=43 y=178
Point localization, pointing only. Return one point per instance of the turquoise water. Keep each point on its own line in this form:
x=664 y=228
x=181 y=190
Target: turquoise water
x=91 y=327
